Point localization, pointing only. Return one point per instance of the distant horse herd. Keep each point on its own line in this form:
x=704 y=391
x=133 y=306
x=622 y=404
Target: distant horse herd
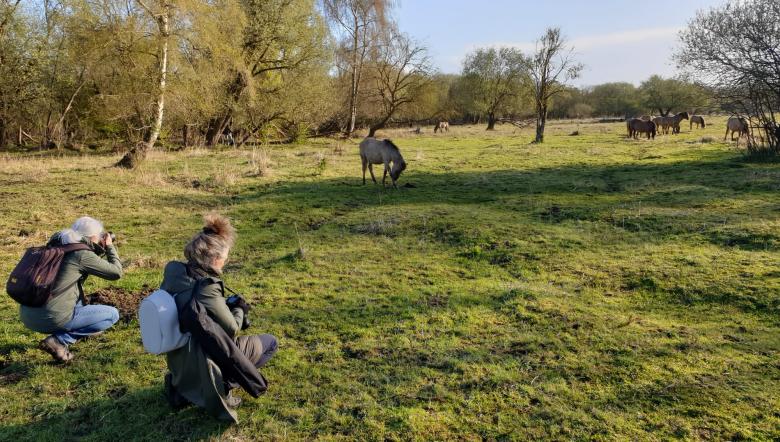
x=650 y=126
x=385 y=152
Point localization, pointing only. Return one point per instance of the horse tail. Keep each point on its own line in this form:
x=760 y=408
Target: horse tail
x=702 y=122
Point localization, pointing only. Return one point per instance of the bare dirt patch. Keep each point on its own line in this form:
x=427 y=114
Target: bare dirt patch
x=124 y=300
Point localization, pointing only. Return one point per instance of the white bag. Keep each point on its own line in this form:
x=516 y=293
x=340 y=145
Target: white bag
x=159 y=322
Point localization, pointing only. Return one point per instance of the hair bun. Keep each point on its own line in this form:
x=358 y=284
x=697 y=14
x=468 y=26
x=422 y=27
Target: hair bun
x=219 y=225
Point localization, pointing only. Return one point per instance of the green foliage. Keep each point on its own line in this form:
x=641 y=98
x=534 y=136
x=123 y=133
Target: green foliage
x=496 y=80
x=670 y=94
x=591 y=288
x=616 y=99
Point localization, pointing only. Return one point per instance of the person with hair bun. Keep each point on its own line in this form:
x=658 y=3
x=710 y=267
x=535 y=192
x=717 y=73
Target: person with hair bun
x=196 y=375
x=65 y=316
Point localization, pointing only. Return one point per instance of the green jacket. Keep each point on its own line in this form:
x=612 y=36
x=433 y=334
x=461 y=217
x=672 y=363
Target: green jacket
x=75 y=268
x=195 y=375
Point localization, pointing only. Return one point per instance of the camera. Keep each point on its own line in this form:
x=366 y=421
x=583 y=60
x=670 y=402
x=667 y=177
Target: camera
x=109 y=234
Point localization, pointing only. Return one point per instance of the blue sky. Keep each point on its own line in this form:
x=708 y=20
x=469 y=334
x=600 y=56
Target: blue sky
x=616 y=40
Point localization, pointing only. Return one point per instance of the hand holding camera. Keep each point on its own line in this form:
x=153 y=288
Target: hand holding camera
x=236 y=301
x=108 y=239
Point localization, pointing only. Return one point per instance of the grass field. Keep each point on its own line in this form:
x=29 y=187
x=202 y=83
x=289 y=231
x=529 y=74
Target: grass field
x=589 y=288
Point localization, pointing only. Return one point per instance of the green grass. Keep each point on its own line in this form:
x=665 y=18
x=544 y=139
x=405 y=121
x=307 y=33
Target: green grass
x=589 y=288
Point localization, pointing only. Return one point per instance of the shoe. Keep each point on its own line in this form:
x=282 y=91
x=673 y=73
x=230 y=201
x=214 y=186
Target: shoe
x=56 y=349
x=175 y=400
x=233 y=401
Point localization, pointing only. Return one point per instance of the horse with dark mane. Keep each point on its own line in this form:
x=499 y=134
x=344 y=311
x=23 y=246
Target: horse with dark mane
x=636 y=126
x=738 y=125
x=376 y=151
x=673 y=122
x=699 y=120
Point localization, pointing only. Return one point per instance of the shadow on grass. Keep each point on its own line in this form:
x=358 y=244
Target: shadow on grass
x=137 y=415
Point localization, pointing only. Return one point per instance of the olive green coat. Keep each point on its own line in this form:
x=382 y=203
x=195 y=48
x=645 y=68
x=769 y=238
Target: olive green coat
x=74 y=269
x=195 y=375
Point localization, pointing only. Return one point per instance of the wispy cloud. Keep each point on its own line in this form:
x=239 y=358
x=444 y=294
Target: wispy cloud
x=626 y=37
x=587 y=46
x=598 y=41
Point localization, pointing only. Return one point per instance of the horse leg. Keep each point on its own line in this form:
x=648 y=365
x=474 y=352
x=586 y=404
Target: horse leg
x=726 y=134
x=364 y=160
x=371 y=169
x=384 y=174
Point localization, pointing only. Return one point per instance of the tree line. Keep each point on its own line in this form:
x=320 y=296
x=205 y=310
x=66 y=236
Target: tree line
x=135 y=73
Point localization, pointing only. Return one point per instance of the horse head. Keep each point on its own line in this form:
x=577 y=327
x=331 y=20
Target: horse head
x=398 y=167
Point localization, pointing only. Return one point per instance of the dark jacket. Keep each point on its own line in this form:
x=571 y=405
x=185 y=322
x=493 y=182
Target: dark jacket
x=203 y=369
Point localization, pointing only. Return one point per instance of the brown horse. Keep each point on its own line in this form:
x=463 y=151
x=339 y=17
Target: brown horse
x=443 y=126
x=738 y=125
x=659 y=122
x=635 y=126
x=672 y=122
x=376 y=151
x=699 y=120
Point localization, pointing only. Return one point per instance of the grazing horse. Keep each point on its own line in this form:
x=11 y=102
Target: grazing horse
x=375 y=151
x=635 y=126
x=672 y=122
x=738 y=125
x=699 y=120
x=659 y=122
x=443 y=126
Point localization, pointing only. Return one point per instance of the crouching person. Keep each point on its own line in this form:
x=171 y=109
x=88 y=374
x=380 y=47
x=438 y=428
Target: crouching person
x=214 y=361
x=64 y=314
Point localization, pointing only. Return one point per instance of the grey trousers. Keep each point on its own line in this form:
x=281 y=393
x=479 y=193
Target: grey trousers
x=257 y=348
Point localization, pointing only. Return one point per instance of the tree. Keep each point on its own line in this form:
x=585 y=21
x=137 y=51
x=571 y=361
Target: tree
x=20 y=69
x=615 y=99
x=362 y=24
x=397 y=75
x=284 y=42
x=667 y=94
x=735 y=49
x=161 y=12
x=496 y=78
x=551 y=66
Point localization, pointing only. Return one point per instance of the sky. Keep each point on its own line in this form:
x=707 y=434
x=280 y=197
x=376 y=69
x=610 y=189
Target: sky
x=616 y=40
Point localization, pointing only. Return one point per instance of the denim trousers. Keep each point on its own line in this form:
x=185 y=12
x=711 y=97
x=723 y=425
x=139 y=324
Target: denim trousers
x=87 y=320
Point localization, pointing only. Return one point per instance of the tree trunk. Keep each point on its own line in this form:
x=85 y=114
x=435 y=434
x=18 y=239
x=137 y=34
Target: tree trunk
x=216 y=127
x=138 y=153
x=354 y=86
x=491 y=121
x=3 y=140
x=185 y=136
x=541 y=119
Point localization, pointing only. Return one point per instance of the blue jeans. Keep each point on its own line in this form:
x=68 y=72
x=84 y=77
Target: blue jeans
x=87 y=320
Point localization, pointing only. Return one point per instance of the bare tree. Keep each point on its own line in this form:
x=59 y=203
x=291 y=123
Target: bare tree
x=401 y=70
x=735 y=49
x=552 y=65
x=362 y=23
x=162 y=15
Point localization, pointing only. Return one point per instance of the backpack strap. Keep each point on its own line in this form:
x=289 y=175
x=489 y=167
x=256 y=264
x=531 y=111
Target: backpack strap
x=67 y=248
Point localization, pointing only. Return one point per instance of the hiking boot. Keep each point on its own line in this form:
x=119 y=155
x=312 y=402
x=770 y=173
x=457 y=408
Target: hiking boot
x=56 y=349
x=175 y=400
x=233 y=401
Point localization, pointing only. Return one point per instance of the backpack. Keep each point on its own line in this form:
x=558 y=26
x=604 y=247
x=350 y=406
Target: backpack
x=31 y=281
x=159 y=321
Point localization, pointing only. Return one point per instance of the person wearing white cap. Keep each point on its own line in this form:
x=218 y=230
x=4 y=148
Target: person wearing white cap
x=65 y=316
